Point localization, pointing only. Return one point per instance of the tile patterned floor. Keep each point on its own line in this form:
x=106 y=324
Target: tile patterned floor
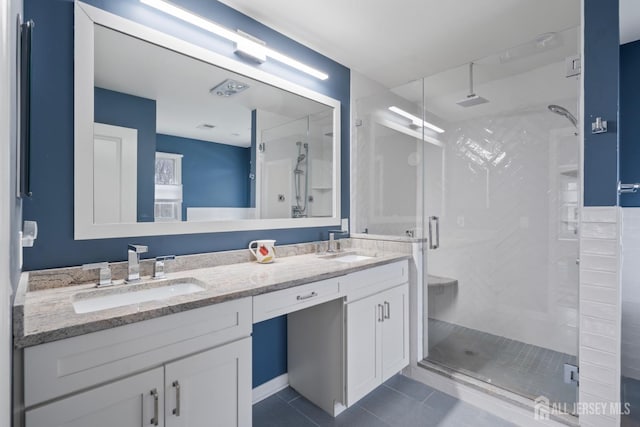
x=522 y=368
x=399 y=402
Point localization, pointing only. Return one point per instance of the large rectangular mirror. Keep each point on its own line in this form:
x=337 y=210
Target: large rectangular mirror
x=171 y=138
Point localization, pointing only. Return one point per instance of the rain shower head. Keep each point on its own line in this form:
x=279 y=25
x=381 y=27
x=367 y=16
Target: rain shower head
x=472 y=99
x=557 y=109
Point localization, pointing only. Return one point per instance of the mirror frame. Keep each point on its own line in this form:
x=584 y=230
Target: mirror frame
x=86 y=17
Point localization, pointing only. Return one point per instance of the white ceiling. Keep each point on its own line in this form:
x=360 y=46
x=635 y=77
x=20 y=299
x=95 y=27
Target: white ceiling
x=393 y=42
x=629 y=21
x=180 y=86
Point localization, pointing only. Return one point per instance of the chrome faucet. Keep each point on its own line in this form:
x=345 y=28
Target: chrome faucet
x=332 y=242
x=158 y=266
x=134 y=262
x=105 y=273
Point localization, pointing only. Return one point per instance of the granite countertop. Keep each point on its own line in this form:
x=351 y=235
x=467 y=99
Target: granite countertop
x=41 y=316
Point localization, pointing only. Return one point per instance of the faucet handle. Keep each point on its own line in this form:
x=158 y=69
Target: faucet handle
x=139 y=249
x=158 y=266
x=105 y=272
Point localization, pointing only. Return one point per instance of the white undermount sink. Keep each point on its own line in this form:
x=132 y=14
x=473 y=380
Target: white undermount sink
x=352 y=258
x=120 y=299
x=346 y=257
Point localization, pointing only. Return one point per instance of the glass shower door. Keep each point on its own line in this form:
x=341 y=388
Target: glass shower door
x=503 y=193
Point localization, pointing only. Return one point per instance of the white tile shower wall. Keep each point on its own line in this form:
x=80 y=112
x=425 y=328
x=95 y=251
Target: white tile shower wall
x=505 y=232
x=631 y=293
x=599 y=352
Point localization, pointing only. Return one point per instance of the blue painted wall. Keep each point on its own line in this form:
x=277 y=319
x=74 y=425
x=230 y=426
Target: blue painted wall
x=52 y=139
x=630 y=120
x=121 y=109
x=213 y=175
x=270 y=334
x=601 y=76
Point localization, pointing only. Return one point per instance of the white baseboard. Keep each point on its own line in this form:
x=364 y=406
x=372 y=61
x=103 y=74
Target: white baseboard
x=270 y=387
x=483 y=400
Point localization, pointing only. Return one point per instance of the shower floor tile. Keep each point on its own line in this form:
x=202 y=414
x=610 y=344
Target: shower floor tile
x=521 y=368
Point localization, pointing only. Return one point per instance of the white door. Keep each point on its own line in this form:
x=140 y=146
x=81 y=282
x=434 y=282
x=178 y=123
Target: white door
x=395 y=331
x=135 y=401
x=210 y=389
x=363 y=347
x=115 y=174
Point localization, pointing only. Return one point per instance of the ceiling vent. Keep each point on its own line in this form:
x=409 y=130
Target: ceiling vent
x=206 y=126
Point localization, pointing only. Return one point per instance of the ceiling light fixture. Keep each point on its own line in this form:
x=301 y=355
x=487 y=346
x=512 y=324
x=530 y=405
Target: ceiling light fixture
x=244 y=45
x=415 y=120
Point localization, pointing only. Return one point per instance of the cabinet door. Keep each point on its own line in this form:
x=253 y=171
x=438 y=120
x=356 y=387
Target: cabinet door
x=135 y=401
x=363 y=347
x=395 y=331
x=212 y=388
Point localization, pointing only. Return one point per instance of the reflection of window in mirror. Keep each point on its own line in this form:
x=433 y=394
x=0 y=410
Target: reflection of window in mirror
x=168 y=187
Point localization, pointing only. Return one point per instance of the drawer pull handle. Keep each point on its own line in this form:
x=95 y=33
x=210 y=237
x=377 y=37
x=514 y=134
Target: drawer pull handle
x=380 y=313
x=176 y=411
x=155 y=419
x=304 y=297
x=387 y=310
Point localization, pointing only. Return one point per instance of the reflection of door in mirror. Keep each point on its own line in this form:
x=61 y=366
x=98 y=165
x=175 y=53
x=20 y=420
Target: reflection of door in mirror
x=115 y=150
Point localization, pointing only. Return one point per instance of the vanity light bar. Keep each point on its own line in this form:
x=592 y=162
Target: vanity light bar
x=242 y=43
x=416 y=120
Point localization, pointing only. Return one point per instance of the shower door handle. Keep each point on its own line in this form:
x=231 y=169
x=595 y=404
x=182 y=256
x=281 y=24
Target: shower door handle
x=432 y=244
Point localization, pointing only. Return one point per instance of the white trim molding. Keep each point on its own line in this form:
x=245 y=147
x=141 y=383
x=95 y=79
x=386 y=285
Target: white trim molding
x=270 y=388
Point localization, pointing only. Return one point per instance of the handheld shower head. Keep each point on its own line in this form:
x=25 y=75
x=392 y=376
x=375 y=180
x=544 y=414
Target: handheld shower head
x=557 y=109
x=301 y=157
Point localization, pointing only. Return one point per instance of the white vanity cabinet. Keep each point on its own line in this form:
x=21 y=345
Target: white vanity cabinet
x=344 y=348
x=134 y=401
x=212 y=388
x=188 y=369
x=377 y=329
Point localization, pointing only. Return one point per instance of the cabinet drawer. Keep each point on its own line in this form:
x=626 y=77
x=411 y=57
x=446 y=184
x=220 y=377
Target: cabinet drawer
x=373 y=280
x=62 y=367
x=277 y=303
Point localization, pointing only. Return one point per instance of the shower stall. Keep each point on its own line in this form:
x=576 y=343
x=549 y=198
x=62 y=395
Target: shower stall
x=481 y=164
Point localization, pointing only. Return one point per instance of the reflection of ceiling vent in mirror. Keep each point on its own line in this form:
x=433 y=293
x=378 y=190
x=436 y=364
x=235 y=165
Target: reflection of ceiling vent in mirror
x=229 y=88
x=206 y=126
